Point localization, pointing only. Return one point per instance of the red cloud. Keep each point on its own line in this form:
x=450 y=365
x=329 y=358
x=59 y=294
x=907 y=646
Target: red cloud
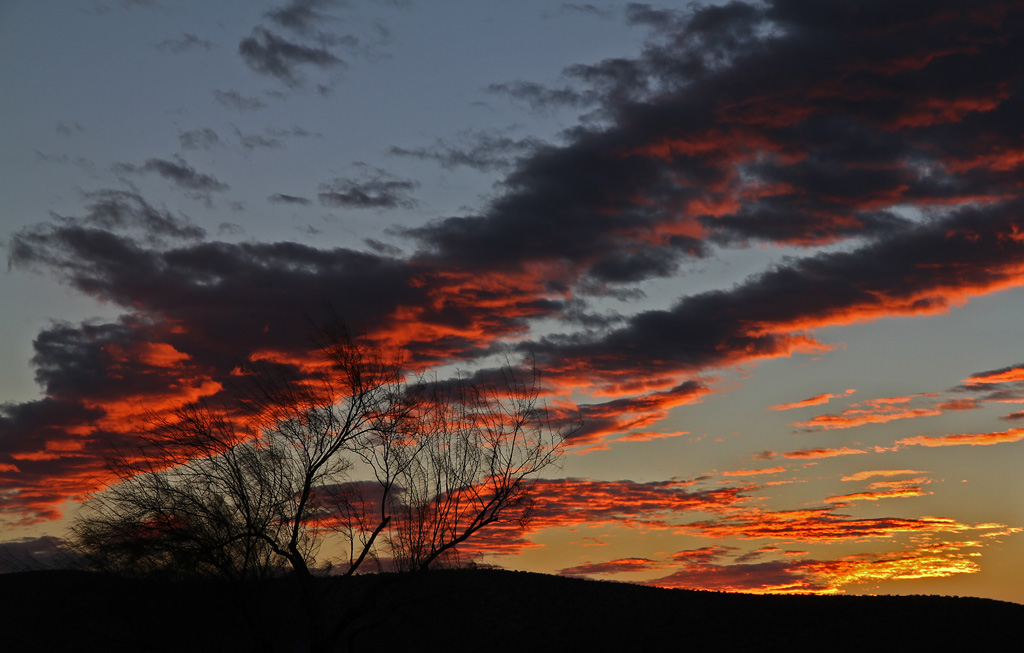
x=616 y=419
x=814 y=525
x=575 y=502
x=821 y=576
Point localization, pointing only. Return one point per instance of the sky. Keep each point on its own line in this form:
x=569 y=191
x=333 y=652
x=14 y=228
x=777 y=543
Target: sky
x=771 y=252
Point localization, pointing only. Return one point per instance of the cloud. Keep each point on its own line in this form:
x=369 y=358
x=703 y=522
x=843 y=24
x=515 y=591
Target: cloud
x=814 y=525
x=860 y=476
x=622 y=565
x=208 y=305
x=235 y=100
x=106 y=210
x=1011 y=374
x=300 y=15
x=36 y=553
x=816 y=400
x=203 y=138
x=860 y=416
x=65 y=129
x=925 y=271
x=703 y=141
x=890 y=134
x=815 y=453
x=375 y=190
x=656 y=505
x=179 y=172
x=186 y=41
x=754 y=472
x=273 y=55
x=281 y=198
x=983 y=439
x=884 y=490
x=543 y=98
x=703 y=555
x=619 y=419
x=811 y=576
x=254 y=141
x=483 y=151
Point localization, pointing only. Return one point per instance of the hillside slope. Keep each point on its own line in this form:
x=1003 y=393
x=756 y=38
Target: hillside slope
x=471 y=610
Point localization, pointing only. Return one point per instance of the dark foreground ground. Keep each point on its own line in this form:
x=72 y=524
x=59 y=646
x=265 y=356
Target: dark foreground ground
x=479 y=610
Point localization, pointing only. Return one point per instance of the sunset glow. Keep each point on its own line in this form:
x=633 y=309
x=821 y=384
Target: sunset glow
x=771 y=255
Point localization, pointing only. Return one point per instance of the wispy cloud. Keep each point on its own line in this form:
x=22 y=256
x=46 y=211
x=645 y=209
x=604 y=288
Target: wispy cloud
x=816 y=400
x=374 y=190
x=178 y=172
x=184 y=42
x=983 y=439
x=234 y=100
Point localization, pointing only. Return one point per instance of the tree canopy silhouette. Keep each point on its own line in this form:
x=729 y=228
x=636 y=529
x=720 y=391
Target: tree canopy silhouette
x=343 y=448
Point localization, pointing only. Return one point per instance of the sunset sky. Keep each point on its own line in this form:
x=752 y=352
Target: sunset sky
x=773 y=253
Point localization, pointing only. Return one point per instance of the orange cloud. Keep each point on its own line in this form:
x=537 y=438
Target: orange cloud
x=860 y=476
x=814 y=525
x=896 y=489
x=816 y=400
x=871 y=411
x=620 y=419
x=982 y=439
x=576 y=502
x=754 y=472
x=1005 y=375
x=647 y=436
x=703 y=555
x=788 y=576
x=959 y=404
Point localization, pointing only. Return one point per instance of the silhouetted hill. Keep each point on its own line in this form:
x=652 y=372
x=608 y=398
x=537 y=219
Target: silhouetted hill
x=471 y=610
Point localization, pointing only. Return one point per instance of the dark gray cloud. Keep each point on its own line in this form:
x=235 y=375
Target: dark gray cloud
x=302 y=37
x=273 y=55
x=482 y=151
x=376 y=189
x=785 y=123
x=111 y=209
x=541 y=97
x=919 y=270
x=203 y=138
x=892 y=132
x=178 y=172
x=186 y=41
x=281 y=198
x=37 y=553
x=256 y=141
x=235 y=100
x=290 y=132
x=585 y=8
x=301 y=15
x=68 y=129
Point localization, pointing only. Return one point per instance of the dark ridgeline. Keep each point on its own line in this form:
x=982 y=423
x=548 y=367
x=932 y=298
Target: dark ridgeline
x=475 y=610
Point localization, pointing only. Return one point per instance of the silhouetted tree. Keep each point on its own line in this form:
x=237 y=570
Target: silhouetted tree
x=481 y=447
x=246 y=489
